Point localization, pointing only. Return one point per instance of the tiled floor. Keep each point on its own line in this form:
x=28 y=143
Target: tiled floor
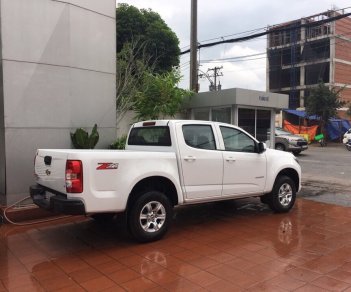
x=232 y=246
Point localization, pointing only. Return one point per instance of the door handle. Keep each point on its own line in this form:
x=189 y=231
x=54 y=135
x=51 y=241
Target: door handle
x=189 y=158
x=230 y=159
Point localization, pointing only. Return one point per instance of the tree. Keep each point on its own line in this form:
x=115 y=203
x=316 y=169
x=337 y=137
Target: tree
x=324 y=103
x=160 y=97
x=132 y=63
x=147 y=26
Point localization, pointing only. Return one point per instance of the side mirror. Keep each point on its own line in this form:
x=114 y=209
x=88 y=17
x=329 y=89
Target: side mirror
x=261 y=147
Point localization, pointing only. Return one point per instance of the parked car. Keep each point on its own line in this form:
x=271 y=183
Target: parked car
x=166 y=164
x=286 y=141
x=347 y=136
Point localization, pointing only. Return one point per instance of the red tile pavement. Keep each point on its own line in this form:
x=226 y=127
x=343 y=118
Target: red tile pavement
x=234 y=246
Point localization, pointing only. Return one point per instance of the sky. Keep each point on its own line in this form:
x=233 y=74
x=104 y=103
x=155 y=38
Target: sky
x=224 y=19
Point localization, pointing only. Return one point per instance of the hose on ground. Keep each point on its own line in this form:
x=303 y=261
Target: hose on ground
x=31 y=222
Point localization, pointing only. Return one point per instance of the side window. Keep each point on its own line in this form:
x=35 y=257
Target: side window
x=199 y=136
x=235 y=140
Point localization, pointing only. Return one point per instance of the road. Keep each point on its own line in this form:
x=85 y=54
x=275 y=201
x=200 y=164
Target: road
x=326 y=174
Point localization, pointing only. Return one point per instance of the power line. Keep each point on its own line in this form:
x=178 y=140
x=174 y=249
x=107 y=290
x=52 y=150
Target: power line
x=243 y=58
x=273 y=30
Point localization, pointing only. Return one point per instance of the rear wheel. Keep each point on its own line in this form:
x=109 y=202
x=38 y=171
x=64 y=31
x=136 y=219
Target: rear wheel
x=283 y=196
x=149 y=216
x=280 y=146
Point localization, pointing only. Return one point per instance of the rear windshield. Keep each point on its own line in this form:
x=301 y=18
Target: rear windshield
x=150 y=136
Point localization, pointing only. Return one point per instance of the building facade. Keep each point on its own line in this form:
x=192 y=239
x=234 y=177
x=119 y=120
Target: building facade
x=305 y=51
x=254 y=111
x=58 y=73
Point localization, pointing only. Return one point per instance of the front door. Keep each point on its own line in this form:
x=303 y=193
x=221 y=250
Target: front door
x=244 y=168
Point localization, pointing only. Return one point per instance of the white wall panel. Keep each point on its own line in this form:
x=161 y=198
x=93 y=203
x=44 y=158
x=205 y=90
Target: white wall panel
x=106 y=7
x=92 y=41
x=55 y=97
x=58 y=70
x=35 y=31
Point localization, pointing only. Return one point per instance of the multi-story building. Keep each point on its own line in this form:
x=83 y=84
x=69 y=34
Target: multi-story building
x=305 y=51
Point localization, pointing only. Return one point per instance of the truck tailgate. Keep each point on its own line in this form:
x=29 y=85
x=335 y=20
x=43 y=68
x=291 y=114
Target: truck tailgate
x=50 y=167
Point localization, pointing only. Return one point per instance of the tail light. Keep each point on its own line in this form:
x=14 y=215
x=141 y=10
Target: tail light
x=74 y=176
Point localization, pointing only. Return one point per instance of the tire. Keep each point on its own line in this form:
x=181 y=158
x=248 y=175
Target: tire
x=280 y=146
x=283 y=196
x=296 y=152
x=149 y=217
x=348 y=147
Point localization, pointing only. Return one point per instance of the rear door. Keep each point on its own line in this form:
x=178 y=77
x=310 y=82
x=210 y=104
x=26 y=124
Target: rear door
x=201 y=161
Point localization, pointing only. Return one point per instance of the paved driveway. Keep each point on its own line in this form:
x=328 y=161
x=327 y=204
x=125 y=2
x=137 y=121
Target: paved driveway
x=234 y=246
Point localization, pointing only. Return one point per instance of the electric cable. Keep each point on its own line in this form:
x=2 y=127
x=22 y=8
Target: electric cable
x=31 y=222
x=273 y=30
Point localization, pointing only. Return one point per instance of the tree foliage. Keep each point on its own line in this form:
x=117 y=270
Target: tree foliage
x=146 y=26
x=324 y=103
x=160 y=97
x=132 y=63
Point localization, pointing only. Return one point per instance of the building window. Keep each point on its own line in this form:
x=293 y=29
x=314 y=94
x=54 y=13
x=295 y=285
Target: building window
x=223 y=115
x=202 y=114
x=246 y=120
x=256 y=122
x=263 y=127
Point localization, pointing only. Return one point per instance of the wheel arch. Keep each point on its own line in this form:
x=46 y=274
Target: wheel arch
x=158 y=183
x=292 y=173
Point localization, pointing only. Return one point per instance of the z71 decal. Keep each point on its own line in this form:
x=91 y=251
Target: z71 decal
x=107 y=166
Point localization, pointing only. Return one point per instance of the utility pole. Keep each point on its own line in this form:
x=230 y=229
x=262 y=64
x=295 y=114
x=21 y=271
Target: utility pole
x=193 y=47
x=216 y=73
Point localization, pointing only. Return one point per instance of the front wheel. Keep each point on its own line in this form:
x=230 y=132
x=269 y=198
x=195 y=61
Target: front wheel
x=280 y=147
x=283 y=195
x=296 y=152
x=348 y=147
x=149 y=216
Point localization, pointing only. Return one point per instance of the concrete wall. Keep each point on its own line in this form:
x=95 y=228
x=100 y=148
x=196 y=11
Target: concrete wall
x=58 y=65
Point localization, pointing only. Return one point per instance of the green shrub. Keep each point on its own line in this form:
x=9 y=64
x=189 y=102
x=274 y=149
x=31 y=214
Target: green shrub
x=120 y=143
x=82 y=140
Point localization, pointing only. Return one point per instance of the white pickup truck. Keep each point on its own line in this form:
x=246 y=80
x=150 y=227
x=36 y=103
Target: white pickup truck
x=166 y=163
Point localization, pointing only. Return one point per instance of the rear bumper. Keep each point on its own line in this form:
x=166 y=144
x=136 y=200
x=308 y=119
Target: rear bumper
x=59 y=203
